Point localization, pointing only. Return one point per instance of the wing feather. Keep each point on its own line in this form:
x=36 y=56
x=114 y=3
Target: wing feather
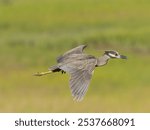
x=80 y=76
x=81 y=87
x=76 y=50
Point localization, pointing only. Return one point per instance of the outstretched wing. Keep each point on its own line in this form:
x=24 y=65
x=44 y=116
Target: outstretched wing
x=76 y=50
x=81 y=73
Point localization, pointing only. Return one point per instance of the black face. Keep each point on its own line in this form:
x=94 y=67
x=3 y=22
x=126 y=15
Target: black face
x=111 y=52
x=114 y=54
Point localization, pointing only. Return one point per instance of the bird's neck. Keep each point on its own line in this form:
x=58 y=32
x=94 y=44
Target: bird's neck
x=102 y=60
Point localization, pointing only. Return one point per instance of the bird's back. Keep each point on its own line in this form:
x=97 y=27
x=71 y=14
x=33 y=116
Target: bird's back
x=75 y=57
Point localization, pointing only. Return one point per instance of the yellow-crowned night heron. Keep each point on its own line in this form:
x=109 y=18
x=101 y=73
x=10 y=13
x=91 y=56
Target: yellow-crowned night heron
x=80 y=66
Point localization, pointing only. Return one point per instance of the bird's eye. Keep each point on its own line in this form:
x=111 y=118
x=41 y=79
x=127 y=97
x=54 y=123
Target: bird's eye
x=116 y=54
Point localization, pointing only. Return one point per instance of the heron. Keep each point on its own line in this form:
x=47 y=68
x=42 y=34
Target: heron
x=80 y=66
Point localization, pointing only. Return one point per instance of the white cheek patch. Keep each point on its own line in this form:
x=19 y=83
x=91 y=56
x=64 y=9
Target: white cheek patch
x=112 y=55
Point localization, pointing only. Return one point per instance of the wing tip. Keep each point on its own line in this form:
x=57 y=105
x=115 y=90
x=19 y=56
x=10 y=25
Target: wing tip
x=77 y=99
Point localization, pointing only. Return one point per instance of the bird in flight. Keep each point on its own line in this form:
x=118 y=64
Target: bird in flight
x=80 y=66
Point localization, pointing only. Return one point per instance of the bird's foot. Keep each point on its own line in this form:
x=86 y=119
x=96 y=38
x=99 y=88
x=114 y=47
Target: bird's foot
x=42 y=73
x=38 y=74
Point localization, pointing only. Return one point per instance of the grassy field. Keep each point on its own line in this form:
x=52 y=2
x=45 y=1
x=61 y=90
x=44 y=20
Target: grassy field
x=34 y=32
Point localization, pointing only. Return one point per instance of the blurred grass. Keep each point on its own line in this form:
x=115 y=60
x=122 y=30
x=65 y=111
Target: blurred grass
x=34 y=32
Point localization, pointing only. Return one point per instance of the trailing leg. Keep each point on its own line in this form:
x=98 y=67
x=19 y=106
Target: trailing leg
x=42 y=73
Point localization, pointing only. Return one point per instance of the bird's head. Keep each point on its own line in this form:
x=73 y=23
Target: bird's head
x=114 y=54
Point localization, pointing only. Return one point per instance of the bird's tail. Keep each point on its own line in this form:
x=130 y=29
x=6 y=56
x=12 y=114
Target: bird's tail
x=43 y=73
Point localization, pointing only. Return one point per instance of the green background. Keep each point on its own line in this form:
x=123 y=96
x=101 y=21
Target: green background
x=34 y=32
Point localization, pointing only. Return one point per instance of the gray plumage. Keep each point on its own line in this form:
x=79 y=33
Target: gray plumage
x=80 y=66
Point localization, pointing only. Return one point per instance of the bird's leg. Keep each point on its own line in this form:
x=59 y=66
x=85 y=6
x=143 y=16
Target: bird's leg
x=42 y=73
x=63 y=72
